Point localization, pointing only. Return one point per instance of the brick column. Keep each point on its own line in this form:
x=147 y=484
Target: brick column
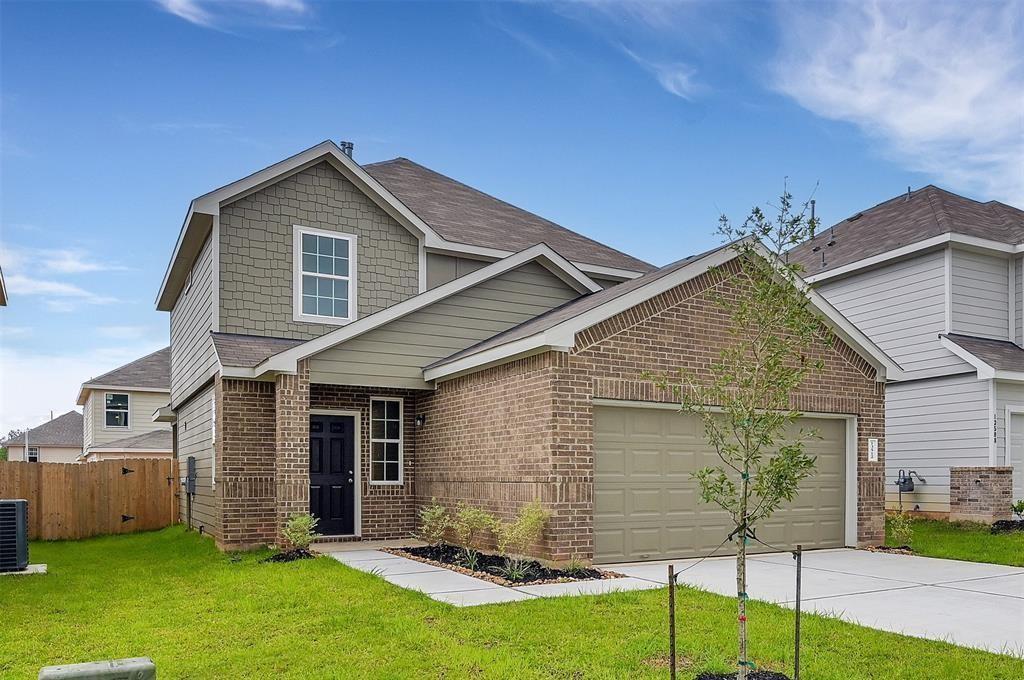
x=291 y=400
x=980 y=494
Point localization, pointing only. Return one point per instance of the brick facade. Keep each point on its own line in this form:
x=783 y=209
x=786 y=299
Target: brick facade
x=291 y=461
x=506 y=435
x=980 y=494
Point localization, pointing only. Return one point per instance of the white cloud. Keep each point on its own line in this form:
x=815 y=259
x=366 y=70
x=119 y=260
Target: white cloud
x=221 y=13
x=32 y=384
x=940 y=86
x=19 y=284
x=675 y=77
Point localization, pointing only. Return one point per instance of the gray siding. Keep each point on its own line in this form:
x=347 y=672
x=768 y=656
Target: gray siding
x=395 y=354
x=444 y=268
x=1018 y=289
x=195 y=438
x=931 y=425
x=256 y=235
x=902 y=307
x=193 y=358
x=1007 y=394
x=140 y=417
x=981 y=292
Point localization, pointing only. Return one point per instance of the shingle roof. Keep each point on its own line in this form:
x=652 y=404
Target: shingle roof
x=572 y=309
x=155 y=440
x=152 y=371
x=247 y=351
x=463 y=214
x=65 y=430
x=905 y=220
x=999 y=354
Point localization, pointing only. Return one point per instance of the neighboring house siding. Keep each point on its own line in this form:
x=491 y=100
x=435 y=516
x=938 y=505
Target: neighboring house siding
x=981 y=292
x=444 y=268
x=47 y=454
x=87 y=421
x=931 y=425
x=256 y=243
x=193 y=358
x=1007 y=394
x=140 y=413
x=902 y=307
x=395 y=354
x=195 y=434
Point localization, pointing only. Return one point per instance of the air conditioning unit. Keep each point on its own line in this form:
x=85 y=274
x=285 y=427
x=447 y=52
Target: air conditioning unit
x=13 y=534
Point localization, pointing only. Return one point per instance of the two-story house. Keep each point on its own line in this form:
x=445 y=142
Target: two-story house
x=354 y=340
x=935 y=280
x=118 y=409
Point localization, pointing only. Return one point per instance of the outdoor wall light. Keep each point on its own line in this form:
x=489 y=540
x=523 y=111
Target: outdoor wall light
x=421 y=420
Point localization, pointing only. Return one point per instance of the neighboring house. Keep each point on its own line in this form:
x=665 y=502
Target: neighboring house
x=935 y=280
x=3 y=290
x=119 y=407
x=353 y=341
x=57 y=441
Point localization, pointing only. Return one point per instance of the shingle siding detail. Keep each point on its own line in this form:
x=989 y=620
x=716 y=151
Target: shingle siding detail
x=256 y=235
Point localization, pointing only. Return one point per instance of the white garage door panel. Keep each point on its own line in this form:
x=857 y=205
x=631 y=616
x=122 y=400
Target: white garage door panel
x=647 y=506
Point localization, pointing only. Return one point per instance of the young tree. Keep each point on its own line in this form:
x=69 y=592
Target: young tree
x=744 y=397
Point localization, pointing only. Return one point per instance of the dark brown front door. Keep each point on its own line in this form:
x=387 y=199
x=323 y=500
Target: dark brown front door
x=332 y=487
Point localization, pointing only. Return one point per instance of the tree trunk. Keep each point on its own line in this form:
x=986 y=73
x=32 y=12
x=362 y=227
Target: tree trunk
x=741 y=589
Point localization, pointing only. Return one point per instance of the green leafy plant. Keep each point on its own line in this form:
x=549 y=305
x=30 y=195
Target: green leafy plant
x=901 y=529
x=743 y=398
x=434 y=523
x=300 y=531
x=1018 y=509
x=515 y=538
x=576 y=567
x=469 y=524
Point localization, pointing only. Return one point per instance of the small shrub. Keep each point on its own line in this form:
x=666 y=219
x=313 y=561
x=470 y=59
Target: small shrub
x=901 y=529
x=469 y=523
x=515 y=569
x=1018 y=509
x=300 y=531
x=516 y=537
x=434 y=523
x=577 y=568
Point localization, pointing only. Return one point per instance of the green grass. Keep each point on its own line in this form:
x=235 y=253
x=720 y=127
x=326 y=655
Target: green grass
x=964 y=541
x=202 y=614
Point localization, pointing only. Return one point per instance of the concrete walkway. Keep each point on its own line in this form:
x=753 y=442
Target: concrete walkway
x=460 y=590
x=967 y=603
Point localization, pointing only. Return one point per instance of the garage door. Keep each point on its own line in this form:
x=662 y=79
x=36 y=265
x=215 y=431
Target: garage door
x=647 y=507
x=1017 y=454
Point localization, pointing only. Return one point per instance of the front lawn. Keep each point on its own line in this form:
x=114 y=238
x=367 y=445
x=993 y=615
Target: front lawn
x=964 y=541
x=201 y=614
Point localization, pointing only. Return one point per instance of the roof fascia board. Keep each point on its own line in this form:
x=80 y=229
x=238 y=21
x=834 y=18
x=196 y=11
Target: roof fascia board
x=83 y=393
x=941 y=239
x=482 y=252
x=985 y=371
x=121 y=449
x=286 y=361
x=517 y=349
x=1015 y=376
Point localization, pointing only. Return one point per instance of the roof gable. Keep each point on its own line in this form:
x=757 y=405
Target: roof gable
x=905 y=220
x=151 y=373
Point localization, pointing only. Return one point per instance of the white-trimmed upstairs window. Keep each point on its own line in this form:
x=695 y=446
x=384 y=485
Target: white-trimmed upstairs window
x=116 y=408
x=324 y=276
x=386 y=441
x=33 y=454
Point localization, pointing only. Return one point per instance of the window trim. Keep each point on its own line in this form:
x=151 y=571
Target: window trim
x=400 y=441
x=353 y=287
x=128 y=417
x=28 y=454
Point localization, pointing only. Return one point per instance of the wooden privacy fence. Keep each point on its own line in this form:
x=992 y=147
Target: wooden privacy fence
x=77 y=500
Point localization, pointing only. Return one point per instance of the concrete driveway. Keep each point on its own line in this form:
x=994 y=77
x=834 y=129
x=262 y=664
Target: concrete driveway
x=967 y=603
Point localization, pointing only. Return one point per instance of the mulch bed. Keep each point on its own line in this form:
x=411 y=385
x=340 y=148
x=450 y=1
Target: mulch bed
x=894 y=549
x=756 y=675
x=450 y=557
x=1005 y=526
x=290 y=556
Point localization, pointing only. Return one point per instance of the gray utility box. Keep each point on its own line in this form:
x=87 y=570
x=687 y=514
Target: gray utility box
x=13 y=534
x=141 y=668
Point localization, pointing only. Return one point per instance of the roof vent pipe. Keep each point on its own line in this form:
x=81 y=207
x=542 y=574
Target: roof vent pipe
x=346 y=148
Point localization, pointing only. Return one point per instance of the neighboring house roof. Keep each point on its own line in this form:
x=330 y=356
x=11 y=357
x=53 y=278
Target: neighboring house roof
x=151 y=373
x=157 y=440
x=199 y=219
x=992 y=358
x=541 y=254
x=462 y=214
x=3 y=290
x=64 y=430
x=247 y=351
x=905 y=220
x=557 y=329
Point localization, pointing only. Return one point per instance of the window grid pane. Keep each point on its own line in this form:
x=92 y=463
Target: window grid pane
x=325 y=275
x=385 y=441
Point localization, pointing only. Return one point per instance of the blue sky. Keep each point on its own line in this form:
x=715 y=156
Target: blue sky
x=634 y=123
